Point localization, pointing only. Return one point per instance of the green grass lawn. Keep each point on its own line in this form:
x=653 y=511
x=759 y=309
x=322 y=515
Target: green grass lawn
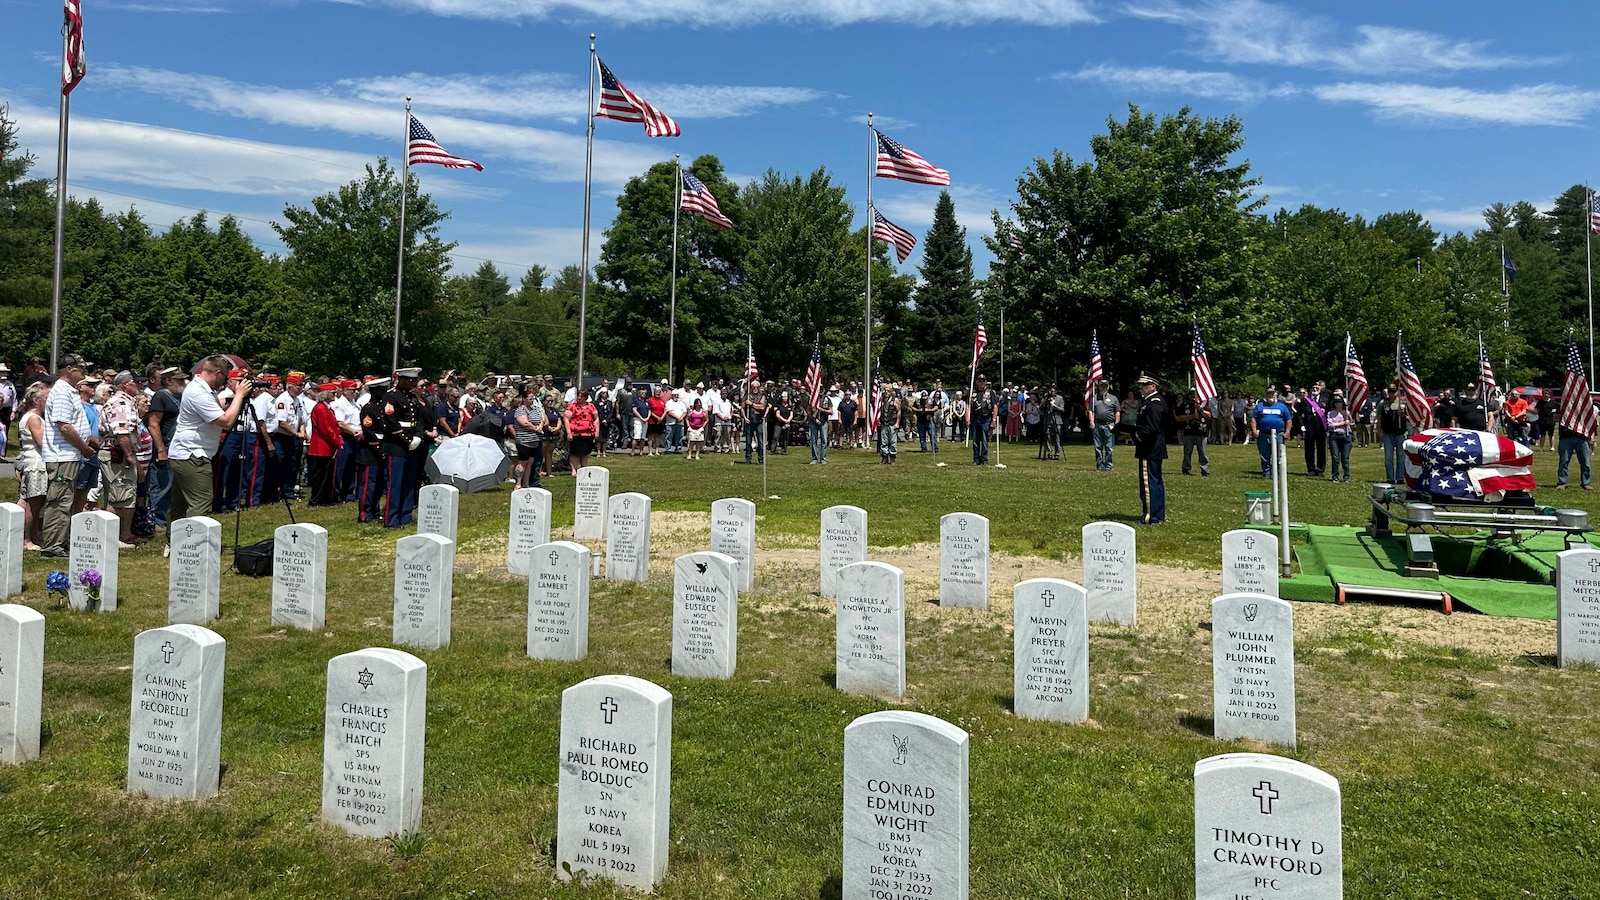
x=1463 y=775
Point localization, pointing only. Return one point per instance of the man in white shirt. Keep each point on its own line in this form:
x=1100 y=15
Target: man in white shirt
x=348 y=415
x=294 y=427
x=67 y=443
x=676 y=410
x=201 y=422
x=260 y=481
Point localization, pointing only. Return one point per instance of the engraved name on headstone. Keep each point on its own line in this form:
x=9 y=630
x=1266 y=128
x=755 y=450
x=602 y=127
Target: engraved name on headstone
x=705 y=615
x=844 y=541
x=558 y=601
x=1578 y=607
x=93 y=549
x=194 y=571
x=870 y=630
x=1111 y=573
x=424 y=579
x=530 y=527
x=1252 y=668
x=964 y=560
x=300 y=576
x=1050 y=635
x=1249 y=562
x=374 y=722
x=1266 y=827
x=733 y=532
x=628 y=538
x=175 y=728
x=438 y=508
x=591 y=503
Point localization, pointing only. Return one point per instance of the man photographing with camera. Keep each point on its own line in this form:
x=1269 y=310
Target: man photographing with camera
x=201 y=422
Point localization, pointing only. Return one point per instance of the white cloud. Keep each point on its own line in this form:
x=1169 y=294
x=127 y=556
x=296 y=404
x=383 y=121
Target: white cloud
x=913 y=211
x=1446 y=221
x=1251 y=31
x=513 y=250
x=1164 y=80
x=1543 y=104
x=888 y=123
x=726 y=13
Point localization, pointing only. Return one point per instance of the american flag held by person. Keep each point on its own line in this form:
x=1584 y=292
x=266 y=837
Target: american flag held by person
x=1355 y=378
x=1204 y=386
x=813 y=380
x=422 y=148
x=896 y=160
x=697 y=198
x=1418 y=412
x=623 y=105
x=1486 y=381
x=1577 y=415
x=1096 y=372
x=980 y=340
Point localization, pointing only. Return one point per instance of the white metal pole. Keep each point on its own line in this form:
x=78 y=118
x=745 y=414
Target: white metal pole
x=672 y=316
x=1588 y=264
x=1283 y=541
x=61 y=209
x=400 y=266
x=866 y=353
x=588 y=179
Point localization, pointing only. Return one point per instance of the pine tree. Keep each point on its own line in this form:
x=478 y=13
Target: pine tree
x=946 y=302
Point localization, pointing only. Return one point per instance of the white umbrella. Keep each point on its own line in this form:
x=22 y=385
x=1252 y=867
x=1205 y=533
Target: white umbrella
x=470 y=462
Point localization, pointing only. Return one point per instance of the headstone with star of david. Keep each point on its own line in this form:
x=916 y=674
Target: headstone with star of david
x=530 y=527
x=869 y=653
x=628 y=538
x=175 y=727
x=374 y=721
x=964 y=560
x=1111 y=573
x=705 y=615
x=93 y=547
x=591 y=492
x=843 y=541
x=1249 y=562
x=438 y=508
x=300 y=576
x=424 y=582
x=614 y=787
x=194 y=571
x=11 y=519
x=905 y=807
x=1266 y=827
x=1578 y=607
x=733 y=532
x=1252 y=668
x=1050 y=639
x=21 y=682
x=558 y=601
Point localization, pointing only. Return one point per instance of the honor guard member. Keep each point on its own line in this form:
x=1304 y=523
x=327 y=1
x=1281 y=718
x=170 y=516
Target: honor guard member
x=402 y=436
x=294 y=428
x=229 y=468
x=427 y=429
x=349 y=417
x=261 y=479
x=370 y=461
x=1150 y=449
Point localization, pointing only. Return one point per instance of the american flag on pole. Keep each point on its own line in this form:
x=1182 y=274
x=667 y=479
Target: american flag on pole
x=1577 y=407
x=813 y=382
x=980 y=340
x=1594 y=212
x=875 y=405
x=1486 y=382
x=73 y=67
x=893 y=235
x=697 y=198
x=424 y=149
x=896 y=160
x=1418 y=412
x=623 y=105
x=751 y=373
x=1355 y=378
x=1204 y=386
x=1096 y=371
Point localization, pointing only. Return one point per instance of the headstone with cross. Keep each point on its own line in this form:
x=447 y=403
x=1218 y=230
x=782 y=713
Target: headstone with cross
x=21 y=682
x=869 y=653
x=1249 y=562
x=843 y=541
x=1050 y=639
x=591 y=511
x=733 y=532
x=1578 y=606
x=374 y=722
x=530 y=527
x=438 y=508
x=424 y=583
x=905 y=807
x=615 y=781
x=1111 y=573
x=300 y=576
x=705 y=615
x=1266 y=826
x=1252 y=668
x=11 y=520
x=628 y=538
x=194 y=571
x=175 y=725
x=94 y=547
x=964 y=560
x=558 y=601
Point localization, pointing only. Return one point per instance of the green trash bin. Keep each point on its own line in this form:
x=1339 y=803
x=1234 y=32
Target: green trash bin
x=1258 y=508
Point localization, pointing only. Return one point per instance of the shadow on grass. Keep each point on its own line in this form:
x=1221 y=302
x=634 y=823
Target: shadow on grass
x=1205 y=726
x=832 y=888
x=831 y=679
x=1125 y=518
x=1540 y=660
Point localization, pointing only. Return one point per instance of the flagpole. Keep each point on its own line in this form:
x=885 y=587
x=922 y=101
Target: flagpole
x=672 y=316
x=1003 y=377
x=588 y=178
x=61 y=202
x=400 y=266
x=1588 y=264
x=866 y=353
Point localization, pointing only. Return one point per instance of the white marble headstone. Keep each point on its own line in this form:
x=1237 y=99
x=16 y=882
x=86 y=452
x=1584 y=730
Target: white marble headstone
x=615 y=784
x=1111 y=573
x=374 y=722
x=1267 y=827
x=94 y=548
x=869 y=652
x=300 y=576
x=733 y=532
x=530 y=527
x=1252 y=668
x=844 y=541
x=11 y=517
x=628 y=538
x=1249 y=562
x=175 y=729
x=21 y=682
x=591 y=503
x=705 y=615
x=194 y=571
x=1578 y=607
x=438 y=508
x=905 y=807
x=424 y=580
x=1050 y=634
x=964 y=560
x=558 y=601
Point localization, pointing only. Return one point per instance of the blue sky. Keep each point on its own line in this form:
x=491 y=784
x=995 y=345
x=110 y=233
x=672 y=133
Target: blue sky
x=241 y=106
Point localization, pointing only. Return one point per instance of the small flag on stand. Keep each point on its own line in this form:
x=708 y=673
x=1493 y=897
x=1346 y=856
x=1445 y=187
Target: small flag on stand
x=1096 y=372
x=697 y=198
x=980 y=340
x=896 y=160
x=1486 y=382
x=73 y=67
x=893 y=235
x=1355 y=378
x=1418 y=412
x=424 y=149
x=813 y=382
x=623 y=105
x=1577 y=406
x=1203 y=383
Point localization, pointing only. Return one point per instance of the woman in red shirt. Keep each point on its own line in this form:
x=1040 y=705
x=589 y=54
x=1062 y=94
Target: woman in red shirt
x=583 y=426
x=657 y=422
x=326 y=440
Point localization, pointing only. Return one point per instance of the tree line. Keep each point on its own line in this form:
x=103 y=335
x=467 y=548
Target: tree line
x=1158 y=227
